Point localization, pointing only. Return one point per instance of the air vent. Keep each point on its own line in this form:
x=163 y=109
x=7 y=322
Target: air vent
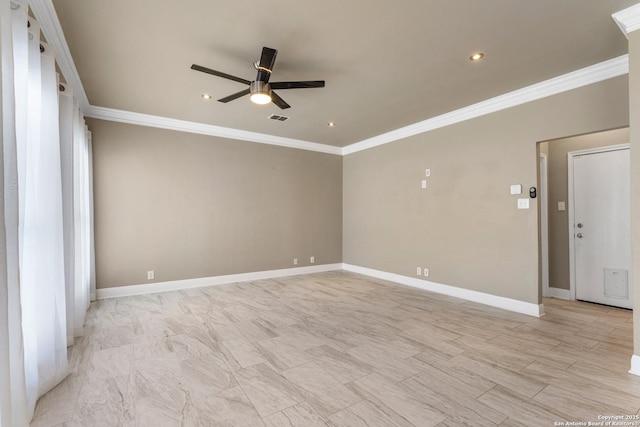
x=278 y=118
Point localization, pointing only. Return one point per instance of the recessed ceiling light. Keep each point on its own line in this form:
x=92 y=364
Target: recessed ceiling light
x=477 y=56
x=331 y=124
x=206 y=96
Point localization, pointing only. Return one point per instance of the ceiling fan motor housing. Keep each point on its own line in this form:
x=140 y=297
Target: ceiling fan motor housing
x=260 y=87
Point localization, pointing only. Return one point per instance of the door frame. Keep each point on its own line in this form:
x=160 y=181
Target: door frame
x=544 y=221
x=570 y=210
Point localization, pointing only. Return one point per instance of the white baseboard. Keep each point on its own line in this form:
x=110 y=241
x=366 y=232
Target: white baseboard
x=559 y=293
x=530 y=309
x=175 y=285
x=480 y=297
x=635 y=365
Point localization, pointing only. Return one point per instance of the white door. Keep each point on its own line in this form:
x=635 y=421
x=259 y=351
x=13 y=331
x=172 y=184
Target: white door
x=602 y=227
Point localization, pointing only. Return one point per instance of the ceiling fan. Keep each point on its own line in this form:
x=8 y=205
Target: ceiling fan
x=260 y=89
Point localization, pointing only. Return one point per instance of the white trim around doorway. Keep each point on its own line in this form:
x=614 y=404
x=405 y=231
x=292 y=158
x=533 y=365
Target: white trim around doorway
x=544 y=222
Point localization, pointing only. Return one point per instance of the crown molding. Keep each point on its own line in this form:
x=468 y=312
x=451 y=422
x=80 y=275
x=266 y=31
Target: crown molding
x=628 y=19
x=204 y=129
x=605 y=70
x=44 y=11
x=46 y=15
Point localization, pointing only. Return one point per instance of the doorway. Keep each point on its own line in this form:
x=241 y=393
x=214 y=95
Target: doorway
x=560 y=224
x=600 y=226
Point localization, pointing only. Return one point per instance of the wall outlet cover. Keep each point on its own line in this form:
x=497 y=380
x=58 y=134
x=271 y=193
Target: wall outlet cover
x=418 y=271
x=523 y=203
x=516 y=189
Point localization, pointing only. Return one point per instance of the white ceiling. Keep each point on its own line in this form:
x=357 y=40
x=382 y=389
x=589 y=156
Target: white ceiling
x=386 y=64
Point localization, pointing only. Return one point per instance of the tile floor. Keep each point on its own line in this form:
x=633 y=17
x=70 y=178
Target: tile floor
x=339 y=349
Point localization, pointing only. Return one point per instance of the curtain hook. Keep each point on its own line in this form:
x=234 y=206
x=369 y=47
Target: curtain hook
x=61 y=88
x=41 y=48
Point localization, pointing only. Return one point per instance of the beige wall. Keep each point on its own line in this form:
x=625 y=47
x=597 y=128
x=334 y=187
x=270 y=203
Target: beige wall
x=189 y=206
x=634 y=122
x=558 y=191
x=465 y=226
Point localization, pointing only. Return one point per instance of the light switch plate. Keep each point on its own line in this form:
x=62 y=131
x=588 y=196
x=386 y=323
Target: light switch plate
x=523 y=203
x=561 y=207
x=516 y=189
x=427 y=172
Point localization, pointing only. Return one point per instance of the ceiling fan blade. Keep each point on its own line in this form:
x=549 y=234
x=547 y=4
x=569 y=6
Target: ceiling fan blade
x=297 y=85
x=279 y=101
x=234 y=96
x=267 y=60
x=220 y=74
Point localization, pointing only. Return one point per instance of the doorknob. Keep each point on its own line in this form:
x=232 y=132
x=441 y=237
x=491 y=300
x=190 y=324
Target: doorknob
x=579 y=235
x=579 y=225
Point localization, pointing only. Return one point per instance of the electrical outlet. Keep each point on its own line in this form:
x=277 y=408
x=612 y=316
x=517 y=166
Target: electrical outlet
x=418 y=271
x=150 y=275
x=424 y=183
x=426 y=272
x=312 y=259
x=295 y=261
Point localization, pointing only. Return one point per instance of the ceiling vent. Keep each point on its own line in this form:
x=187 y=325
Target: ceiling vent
x=278 y=118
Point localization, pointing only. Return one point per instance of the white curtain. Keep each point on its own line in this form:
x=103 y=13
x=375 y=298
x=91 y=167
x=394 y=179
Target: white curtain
x=13 y=400
x=92 y=245
x=46 y=218
x=42 y=280
x=75 y=150
x=66 y=163
x=82 y=220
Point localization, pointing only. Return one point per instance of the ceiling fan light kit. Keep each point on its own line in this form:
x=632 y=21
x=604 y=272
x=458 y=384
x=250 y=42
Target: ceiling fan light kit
x=260 y=90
